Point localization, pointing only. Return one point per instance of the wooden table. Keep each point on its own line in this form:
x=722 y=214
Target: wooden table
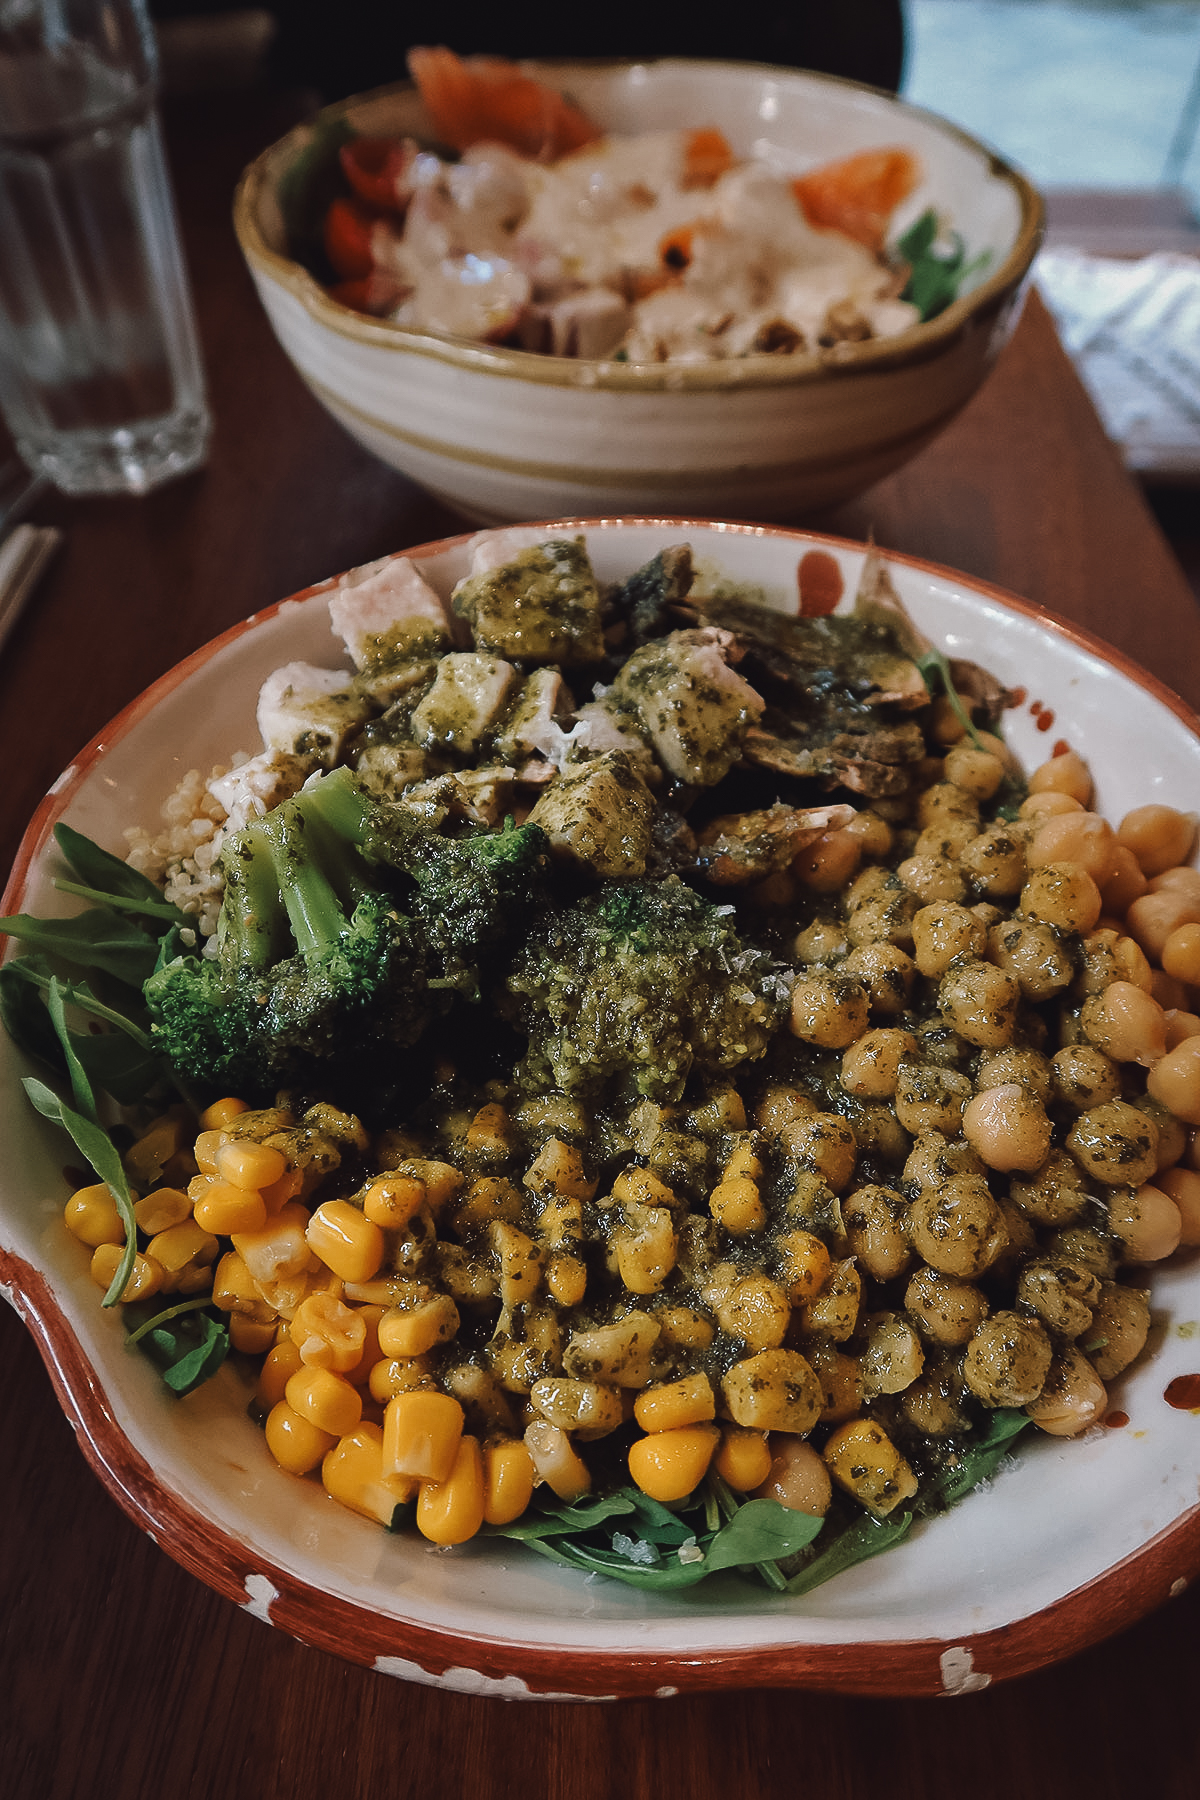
x=119 y=1674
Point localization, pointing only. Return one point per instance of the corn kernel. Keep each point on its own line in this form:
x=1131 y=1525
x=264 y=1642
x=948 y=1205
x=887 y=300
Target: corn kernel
x=566 y=1279
x=345 y=1241
x=391 y=1200
x=413 y=1330
x=638 y=1187
x=743 y=1460
x=508 y=1476
x=145 y=1277
x=558 y=1168
x=393 y=1375
x=330 y=1335
x=805 y=1265
x=352 y=1472
x=279 y=1365
x=688 y=1401
x=324 y=1399
x=205 y=1151
x=669 y=1464
x=157 y=1145
x=451 y=1511
x=245 y=1164
x=296 y=1445
x=520 y=1263
x=193 y=1278
x=91 y=1215
x=180 y=1244
x=371 y=1353
x=276 y=1196
x=279 y=1248
x=234 y=1290
x=736 y=1205
x=421 y=1433
x=441 y=1180
x=556 y=1460
x=159 y=1210
x=221 y=1114
x=490 y=1133
x=248 y=1336
x=222 y=1208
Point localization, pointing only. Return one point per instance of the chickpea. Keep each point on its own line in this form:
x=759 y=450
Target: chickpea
x=1044 y=805
x=1083 y=1077
x=977 y=771
x=943 y=800
x=942 y=931
x=874 y=834
x=995 y=862
x=1115 y=1144
x=935 y=1403
x=870 y=1066
x=1008 y=1360
x=802 y=1265
x=841 y=1382
x=980 y=1002
x=1072 y=1398
x=825 y=866
x=947 y=838
x=887 y=974
x=1183 y=1186
x=1056 y=1194
x=1008 y=1127
x=1181 y=1025
x=1028 y=1067
x=1083 y=838
x=1061 y=1293
x=1147 y=1223
x=1172 y=1132
x=1176 y=1081
x=757 y=1311
x=833 y=1313
x=1063 y=895
x=1126 y=1023
x=945 y=726
x=1186 y=879
x=957 y=1228
x=798 y=1477
x=929 y=1098
x=1159 y=836
x=1168 y=990
x=1153 y=917
x=1181 y=954
x=893 y=1358
x=875 y=1230
x=821 y=942
x=1120 y=1327
x=829 y=1010
x=826 y=1144
x=886 y=920
x=932 y=878
x=1125 y=884
x=1066 y=773
x=935 y=1158
x=1033 y=954
x=940 y=1044
x=1086 y=1245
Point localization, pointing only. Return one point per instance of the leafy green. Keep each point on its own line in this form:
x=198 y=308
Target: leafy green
x=935 y=666
x=976 y=1459
x=97 y=939
x=122 y=1060
x=91 y=1139
x=108 y=875
x=936 y=271
x=187 y=1342
x=308 y=187
x=866 y=1537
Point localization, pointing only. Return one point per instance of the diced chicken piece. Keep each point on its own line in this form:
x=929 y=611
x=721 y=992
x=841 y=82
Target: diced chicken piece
x=534 y=726
x=472 y=796
x=603 y=725
x=492 y=549
x=599 y=816
x=385 y=770
x=386 y=611
x=695 y=708
x=591 y=323
x=252 y=788
x=468 y=697
x=542 y=607
x=304 y=711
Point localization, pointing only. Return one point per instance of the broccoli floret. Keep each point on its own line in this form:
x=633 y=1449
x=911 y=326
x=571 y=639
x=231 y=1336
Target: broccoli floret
x=639 y=985
x=317 y=971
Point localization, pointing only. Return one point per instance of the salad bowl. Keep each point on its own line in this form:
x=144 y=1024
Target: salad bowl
x=1069 y=1540
x=505 y=434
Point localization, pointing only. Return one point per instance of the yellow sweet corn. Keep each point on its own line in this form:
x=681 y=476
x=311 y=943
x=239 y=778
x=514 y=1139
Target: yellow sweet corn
x=324 y=1399
x=346 y=1241
x=329 y=1335
x=743 y=1459
x=160 y=1209
x=688 y=1401
x=352 y=1472
x=296 y=1445
x=421 y=1433
x=279 y=1365
x=221 y=1114
x=508 y=1477
x=91 y=1216
x=668 y=1464
x=222 y=1208
x=451 y=1511
x=145 y=1277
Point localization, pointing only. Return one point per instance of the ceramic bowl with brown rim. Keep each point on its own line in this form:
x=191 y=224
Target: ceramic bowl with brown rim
x=506 y=434
x=1068 y=1542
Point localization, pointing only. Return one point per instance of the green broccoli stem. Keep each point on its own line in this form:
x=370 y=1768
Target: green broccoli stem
x=252 y=927
x=316 y=873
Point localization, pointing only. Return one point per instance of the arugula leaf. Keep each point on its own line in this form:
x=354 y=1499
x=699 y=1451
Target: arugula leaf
x=81 y=1086
x=936 y=664
x=149 y=909
x=98 y=939
x=187 y=1343
x=977 y=1459
x=94 y=1143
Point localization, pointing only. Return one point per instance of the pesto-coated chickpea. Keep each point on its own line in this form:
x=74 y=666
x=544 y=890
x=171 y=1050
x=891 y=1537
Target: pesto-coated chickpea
x=1125 y=884
x=1115 y=1144
x=947 y=838
x=1159 y=836
x=1063 y=895
x=1062 y=1294
x=995 y=862
x=782 y=1105
x=1009 y=1127
x=801 y=1264
x=870 y=1066
x=1145 y=1222
x=935 y=1404
x=833 y=1313
x=978 y=771
x=893 y=1357
x=829 y=862
x=1022 y=1242
x=945 y=1311
x=872 y=883
x=1083 y=838
x=879 y=1132
x=1120 y=1327
x=1083 y=1076
x=958 y=1229
x=886 y=972
x=980 y=1002
x=930 y=1098
x=1072 y=1398
x=798 y=1478
x=874 y=1217
x=943 y=930
x=824 y=941
x=1016 y=1063
x=932 y=878
x=863 y=1460
x=884 y=920
x=824 y=1144
x=1097 y=964
x=1172 y=1132
x=775 y=1390
x=1176 y=1081
x=1033 y=954
x=1008 y=1360
x=829 y=1010
x=935 y=1158
x=757 y=1311
x=842 y=1391
x=1087 y=1245
x=1152 y=918
x=1066 y=773
x=943 y=800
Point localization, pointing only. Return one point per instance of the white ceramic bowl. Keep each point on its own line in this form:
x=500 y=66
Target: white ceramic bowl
x=1070 y=1542
x=505 y=434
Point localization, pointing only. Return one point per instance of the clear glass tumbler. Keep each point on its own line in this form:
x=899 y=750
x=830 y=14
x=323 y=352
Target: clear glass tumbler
x=101 y=382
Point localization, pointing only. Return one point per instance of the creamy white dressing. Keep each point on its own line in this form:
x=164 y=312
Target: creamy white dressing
x=577 y=258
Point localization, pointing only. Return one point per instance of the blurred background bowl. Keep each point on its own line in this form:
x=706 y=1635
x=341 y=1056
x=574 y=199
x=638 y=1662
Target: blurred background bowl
x=506 y=434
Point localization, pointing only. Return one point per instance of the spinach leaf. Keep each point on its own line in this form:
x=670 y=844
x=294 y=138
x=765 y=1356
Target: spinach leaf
x=977 y=1460
x=107 y=875
x=308 y=187
x=864 y=1538
x=97 y=939
x=122 y=1060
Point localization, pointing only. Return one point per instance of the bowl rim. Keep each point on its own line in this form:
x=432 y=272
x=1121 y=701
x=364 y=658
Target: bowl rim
x=919 y=344
x=464 y=1661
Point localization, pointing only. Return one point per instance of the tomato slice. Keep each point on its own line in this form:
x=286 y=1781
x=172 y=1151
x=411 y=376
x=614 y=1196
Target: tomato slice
x=858 y=195
x=376 y=294
x=707 y=156
x=377 y=169
x=348 y=227
x=485 y=98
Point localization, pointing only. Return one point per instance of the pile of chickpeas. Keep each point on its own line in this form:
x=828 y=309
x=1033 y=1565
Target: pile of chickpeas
x=942 y=1201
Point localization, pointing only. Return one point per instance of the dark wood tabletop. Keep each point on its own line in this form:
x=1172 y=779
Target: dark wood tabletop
x=120 y=1675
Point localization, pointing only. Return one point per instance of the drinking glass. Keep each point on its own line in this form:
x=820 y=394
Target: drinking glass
x=101 y=383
